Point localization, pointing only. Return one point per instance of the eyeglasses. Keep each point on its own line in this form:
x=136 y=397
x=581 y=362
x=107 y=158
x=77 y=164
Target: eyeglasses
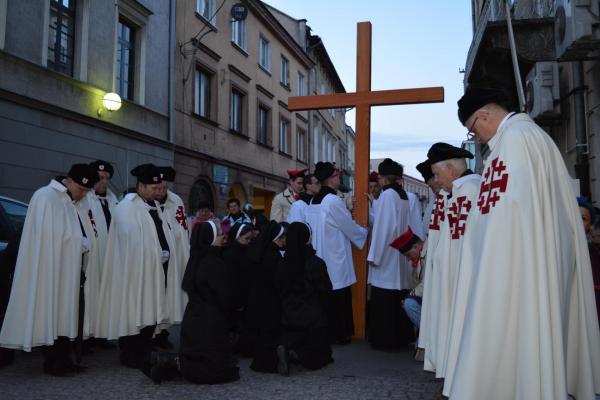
x=470 y=134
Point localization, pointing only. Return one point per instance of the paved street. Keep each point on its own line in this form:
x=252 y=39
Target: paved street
x=358 y=373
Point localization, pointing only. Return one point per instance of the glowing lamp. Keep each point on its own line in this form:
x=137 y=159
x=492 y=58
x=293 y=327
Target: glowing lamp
x=111 y=102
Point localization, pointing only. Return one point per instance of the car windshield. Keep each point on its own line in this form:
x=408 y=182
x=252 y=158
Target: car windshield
x=16 y=214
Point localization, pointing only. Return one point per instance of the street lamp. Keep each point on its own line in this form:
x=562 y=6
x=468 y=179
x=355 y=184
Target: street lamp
x=111 y=102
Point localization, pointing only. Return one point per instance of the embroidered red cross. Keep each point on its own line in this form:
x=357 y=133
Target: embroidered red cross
x=437 y=214
x=91 y=217
x=180 y=217
x=493 y=183
x=457 y=217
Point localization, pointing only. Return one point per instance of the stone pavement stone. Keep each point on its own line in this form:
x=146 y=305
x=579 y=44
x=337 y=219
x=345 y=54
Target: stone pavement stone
x=357 y=373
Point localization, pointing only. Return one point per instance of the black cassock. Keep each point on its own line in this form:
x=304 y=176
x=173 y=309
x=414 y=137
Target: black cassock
x=206 y=353
x=385 y=332
x=306 y=293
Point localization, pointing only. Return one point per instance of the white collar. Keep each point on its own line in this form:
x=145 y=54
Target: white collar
x=54 y=184
x=460 y=181
x=492 y=142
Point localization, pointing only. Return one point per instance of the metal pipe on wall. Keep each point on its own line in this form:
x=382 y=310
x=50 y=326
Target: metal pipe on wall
x=582 y=168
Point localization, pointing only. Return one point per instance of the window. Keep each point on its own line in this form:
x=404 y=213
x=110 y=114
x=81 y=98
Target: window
x=324 y=150
x=125 y=69
x=61 y=36
x=316 y=141
x=285 y=71
x=206 y=8
x=238 y=33
x=264 y=53
x=334 y=152
x=301 y=85
x=236 y=112
x=202 y=93
x=301 y=144
x=284 y=131
x=263 y=124
x=323 y=89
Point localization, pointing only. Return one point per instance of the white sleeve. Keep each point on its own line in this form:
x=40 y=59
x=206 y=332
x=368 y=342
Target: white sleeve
x=415 y=222
x=342 y=218
x=383 y=230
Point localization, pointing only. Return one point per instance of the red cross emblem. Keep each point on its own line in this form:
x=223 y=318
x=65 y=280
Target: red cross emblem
x=437 y=214
x=93 y=222
x=457 y=217
x=493 y=183
x=180 y=217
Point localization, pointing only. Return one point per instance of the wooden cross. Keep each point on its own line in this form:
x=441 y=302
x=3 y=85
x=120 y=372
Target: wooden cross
x=363 y=100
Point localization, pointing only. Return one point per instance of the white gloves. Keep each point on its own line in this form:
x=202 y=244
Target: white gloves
x=164 y=256
x=86 y=245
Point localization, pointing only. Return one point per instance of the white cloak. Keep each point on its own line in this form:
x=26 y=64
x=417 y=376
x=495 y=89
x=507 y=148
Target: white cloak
x=91 y=208
x=426 y=329
x=296 y=213
x=446 y=263
x=174 y=211
x=427 y=216
x=530 y=328
x=391 y=220
x=44 y=300
x=132 y=292
x=332 y=231
x=416 y=214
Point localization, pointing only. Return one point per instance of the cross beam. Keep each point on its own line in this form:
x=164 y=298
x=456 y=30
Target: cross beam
x=363 y=99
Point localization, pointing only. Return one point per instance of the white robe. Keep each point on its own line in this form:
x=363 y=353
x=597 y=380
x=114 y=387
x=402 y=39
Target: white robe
x=332 y=232
x=174 y=211
x=446 y=263
x=426 y=329
x=391 y=220
x=296 y=213
x=415 y=217
x=530 y=328
x=427 y=216
x=132 y=293
x=44 y=300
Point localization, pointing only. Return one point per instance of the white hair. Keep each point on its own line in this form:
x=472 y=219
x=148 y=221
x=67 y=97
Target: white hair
x=459 y=164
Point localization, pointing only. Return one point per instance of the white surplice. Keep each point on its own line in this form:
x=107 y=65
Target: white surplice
x=530 y=325
x=44 y=300
x=332 y=232
x=426 y=328
x=391 y=215
x=297 y=211
x=133 y=293
x=174 y=211
x=415 y=216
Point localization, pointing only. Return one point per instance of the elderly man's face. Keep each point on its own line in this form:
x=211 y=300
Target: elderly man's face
x=444 y=175
x=77 y=191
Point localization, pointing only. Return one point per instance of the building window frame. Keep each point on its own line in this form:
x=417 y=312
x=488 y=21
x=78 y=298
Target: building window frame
x=301 y=144
x=264 y=53
x=301 y=84
x=126 y=48
x=263 y=124
x=284 y=135
x=238 y=33
x=316 y=140
x=66 y=57
x=237 y=100
x=203 y=93
x=284 y=77
x=206 y=10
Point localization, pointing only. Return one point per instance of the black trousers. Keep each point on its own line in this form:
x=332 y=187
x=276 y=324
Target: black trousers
x=341 y=320
x=58 y=353
x=133 y=349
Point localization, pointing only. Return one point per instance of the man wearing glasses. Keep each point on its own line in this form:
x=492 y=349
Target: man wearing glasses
x=530 y=328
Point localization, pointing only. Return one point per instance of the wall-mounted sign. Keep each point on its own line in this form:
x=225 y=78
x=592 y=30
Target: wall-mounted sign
x=239 y=12
x=220 y=174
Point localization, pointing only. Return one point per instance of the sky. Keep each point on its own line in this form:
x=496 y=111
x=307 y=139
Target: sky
x=414 y=44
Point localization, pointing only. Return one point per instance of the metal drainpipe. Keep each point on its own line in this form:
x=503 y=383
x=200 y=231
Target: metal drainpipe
x=582 y=169
x=171 y=100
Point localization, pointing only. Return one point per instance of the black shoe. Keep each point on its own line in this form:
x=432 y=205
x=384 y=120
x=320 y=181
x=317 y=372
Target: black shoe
x=72 y=367
x=162 y=341
x=282 y=361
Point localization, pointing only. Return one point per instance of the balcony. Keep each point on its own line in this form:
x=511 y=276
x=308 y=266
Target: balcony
x=489 y=58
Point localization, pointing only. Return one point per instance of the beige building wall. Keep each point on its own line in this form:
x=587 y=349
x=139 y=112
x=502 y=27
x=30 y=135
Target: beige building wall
x=209 y=152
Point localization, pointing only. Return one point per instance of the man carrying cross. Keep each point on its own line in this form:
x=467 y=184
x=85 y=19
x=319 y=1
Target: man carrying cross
x=530 y=328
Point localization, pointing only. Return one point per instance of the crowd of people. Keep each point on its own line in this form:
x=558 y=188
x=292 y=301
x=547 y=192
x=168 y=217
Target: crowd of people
x=493 y=281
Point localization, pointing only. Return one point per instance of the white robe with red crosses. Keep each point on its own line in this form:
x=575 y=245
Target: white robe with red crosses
x=530 y=328
x=426 y=329
x=446 y=263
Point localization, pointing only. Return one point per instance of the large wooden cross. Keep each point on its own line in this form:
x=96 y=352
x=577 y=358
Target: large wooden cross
x=363 y=99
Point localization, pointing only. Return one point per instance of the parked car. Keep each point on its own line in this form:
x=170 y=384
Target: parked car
x=12 y=218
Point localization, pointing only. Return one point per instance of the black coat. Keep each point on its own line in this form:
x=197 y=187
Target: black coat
x=206 y=353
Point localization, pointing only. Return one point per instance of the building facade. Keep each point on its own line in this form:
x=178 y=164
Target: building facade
x=58 y=58
x=557 y=47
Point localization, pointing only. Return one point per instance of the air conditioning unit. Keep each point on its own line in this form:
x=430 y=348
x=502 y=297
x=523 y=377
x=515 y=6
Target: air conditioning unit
x=573 y=23
x=542 y=91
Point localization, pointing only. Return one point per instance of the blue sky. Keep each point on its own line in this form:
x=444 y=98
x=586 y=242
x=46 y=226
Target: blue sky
x=415 y=44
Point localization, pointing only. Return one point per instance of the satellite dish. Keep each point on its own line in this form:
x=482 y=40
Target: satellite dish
x=239 y=12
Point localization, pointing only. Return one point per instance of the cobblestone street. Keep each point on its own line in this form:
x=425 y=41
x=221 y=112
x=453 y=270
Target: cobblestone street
x=358 y=373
